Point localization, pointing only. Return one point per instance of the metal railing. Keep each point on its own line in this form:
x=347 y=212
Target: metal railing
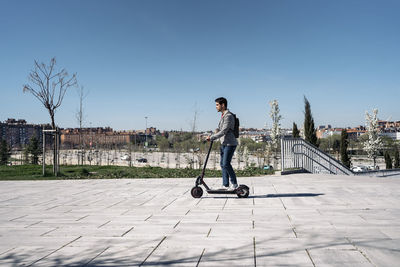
x=298 y=154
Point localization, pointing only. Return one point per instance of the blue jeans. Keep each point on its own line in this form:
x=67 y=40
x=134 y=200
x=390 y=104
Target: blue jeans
x=226 y=167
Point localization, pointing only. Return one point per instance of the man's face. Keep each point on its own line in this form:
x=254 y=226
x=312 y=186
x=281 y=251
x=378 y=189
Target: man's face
x=219 y=107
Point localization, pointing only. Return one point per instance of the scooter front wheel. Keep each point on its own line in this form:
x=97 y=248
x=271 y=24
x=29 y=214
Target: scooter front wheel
x=196 y=192
x=243 y=191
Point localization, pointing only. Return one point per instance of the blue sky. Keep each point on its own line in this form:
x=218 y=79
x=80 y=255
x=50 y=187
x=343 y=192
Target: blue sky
x=167 y=59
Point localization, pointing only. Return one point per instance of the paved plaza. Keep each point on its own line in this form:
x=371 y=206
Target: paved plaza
x=293 y=220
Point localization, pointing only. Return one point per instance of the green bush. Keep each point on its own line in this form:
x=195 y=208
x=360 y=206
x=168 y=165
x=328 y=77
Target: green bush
x=33 y=172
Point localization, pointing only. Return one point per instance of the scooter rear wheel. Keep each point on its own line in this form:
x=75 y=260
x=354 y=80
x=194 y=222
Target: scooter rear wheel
x=196 y=192
x=243 y=191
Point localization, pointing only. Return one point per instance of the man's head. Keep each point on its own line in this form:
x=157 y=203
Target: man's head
x=221 y=104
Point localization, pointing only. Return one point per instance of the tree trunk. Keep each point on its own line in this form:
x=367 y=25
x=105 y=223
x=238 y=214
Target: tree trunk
x=53 y=126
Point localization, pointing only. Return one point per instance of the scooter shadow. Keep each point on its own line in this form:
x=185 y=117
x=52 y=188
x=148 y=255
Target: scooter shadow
x=272 y=195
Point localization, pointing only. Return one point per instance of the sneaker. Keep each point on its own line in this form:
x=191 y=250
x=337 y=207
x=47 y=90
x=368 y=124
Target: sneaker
x=224 y=188
x=234 y=186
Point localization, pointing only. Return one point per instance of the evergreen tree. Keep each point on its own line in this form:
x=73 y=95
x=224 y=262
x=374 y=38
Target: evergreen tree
x=309 y=128
x=295 y=131
x=34 y=150
x=388 y=160
x=26 y=154
x=396 y=158
x=343 y=149
x=4 y=152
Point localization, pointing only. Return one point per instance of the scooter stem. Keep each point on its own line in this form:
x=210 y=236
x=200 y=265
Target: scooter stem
x=205 y=162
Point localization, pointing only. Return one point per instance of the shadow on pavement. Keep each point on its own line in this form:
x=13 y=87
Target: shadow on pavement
x=272 y=195
x=291 y=195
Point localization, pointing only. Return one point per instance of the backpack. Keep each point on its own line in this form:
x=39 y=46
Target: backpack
x=236 y=127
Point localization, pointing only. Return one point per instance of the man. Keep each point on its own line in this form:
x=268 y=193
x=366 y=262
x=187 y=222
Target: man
x=228 y=142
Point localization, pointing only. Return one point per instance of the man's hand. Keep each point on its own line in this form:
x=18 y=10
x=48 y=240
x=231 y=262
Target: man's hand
x=208 y=138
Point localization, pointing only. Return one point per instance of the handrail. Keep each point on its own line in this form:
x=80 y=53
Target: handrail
x=307 y=156
x=311 y=158
x=322 y=154
x=317 y=156
x=332 y=163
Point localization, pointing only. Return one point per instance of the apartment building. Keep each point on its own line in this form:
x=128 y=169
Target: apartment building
x=103 y=137
x=17 y=133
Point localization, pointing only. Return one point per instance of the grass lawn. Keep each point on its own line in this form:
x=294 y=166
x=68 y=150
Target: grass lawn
x=34 y=172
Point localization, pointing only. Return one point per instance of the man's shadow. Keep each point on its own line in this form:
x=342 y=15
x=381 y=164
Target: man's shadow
x=274 y=195
x=288 y=195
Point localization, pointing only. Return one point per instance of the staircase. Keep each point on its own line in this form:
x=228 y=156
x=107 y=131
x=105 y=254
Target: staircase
x=298 y=155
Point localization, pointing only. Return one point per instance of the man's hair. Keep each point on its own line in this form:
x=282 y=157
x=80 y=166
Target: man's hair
x=222 y=100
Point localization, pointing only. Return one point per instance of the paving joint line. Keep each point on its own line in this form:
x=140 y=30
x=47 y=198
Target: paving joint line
x=96 y=256
x=80 y=192
x=127 y=232
x=141 y=193
x=148 y=200
x=276 y=191
x=18 y=218
x=201 y=255
x=148 y=256
x=48 y=201
x=8 y=199
x=103 y=224
x=48 y=232
x=169 y=203
x=185 y=192
x=309 y=255
x=293 y=228
x=254 y=251
x=90 y=203
x=33 y=224
x=177 y=224
x=225 y=204
x=54 y=251
x=52 y=207
x=360 y=251
x=82 y=218
x=115 y=204
x=7 y=251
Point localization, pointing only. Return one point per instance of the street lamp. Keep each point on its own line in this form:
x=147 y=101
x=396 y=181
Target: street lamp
x=145 y=132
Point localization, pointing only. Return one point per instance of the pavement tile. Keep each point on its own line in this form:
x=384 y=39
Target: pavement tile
x=294 y=220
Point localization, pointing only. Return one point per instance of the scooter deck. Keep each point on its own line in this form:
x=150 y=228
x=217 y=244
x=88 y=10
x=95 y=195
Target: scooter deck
x=216 y=191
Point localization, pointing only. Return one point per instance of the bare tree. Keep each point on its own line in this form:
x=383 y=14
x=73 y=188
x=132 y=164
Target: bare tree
x=80 y=118
x=49 y=86
x=193 y=123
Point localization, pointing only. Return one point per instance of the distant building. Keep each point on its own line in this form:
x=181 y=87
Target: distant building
x=353 y=133
x=104 y=137
x=17 y=133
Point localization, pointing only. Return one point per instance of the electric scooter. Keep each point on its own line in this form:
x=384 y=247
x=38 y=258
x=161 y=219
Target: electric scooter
x=242 y=191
